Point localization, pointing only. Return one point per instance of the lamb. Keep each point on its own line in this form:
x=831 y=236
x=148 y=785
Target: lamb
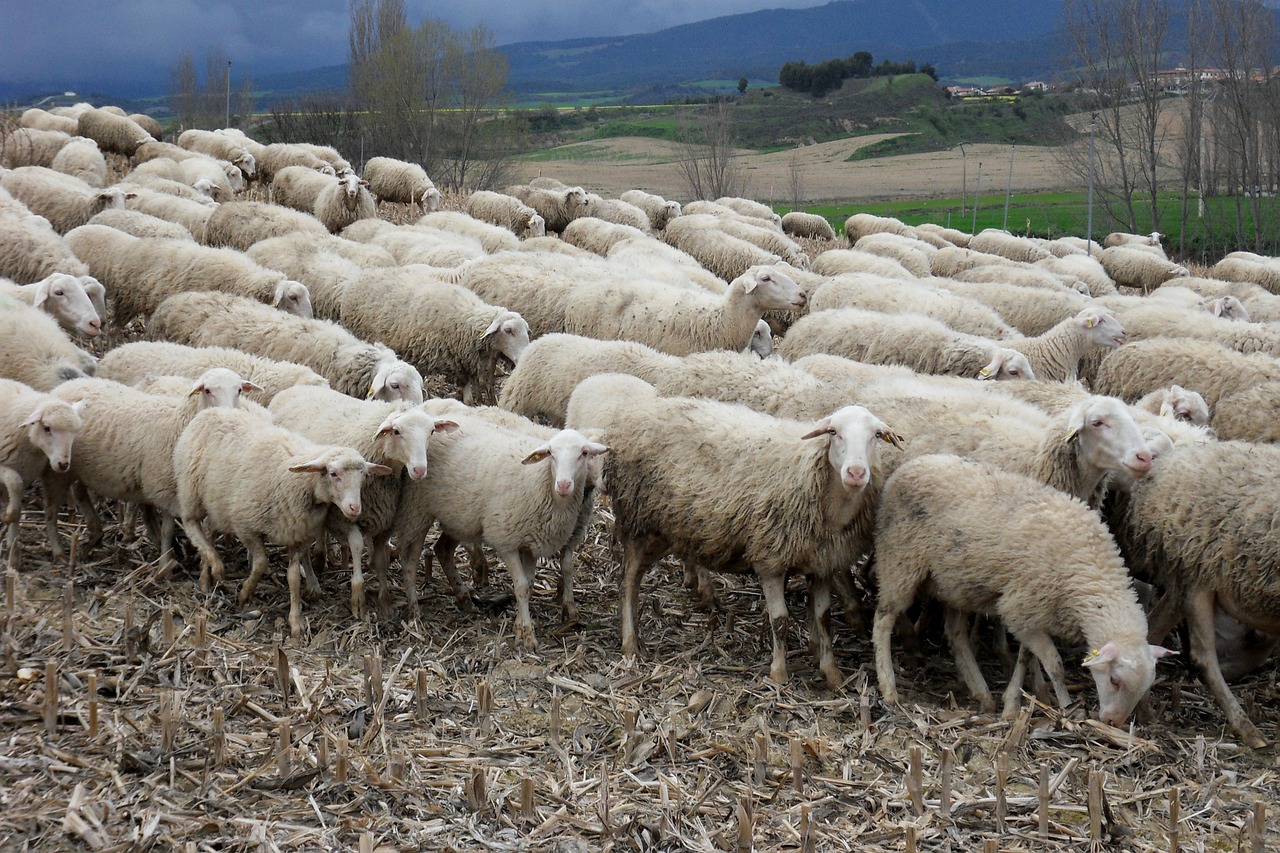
x=113 y=133
x=76 y=302
x=39 y=119
x=782 y=509
x=351 y=365
x=861 y=224
x=1130 y=267
x=494 y=238
x=139 y=272
x=553 y=365
x=911 y=339
x=34 y=350
x=220 y=146
x=874 y=293
x=140 y=224
x=721 y=253
x=487 y=485
x=388 y=434
x=398 y=181
x=809 y=226
x=1176 y=402
x=751 y=208
x=272 y=158
x=617 y=211
x=556 y=207
x=1006 y=245
x=240 y=224
x=1055 y=356
x=81 y=158
x=30 y=250
x=65 y=201
x=1070 y=584
x=681 y=321
x=597 y=235
x=507 y=211
x=130 y=364
x=439 y=328
x=263 y=484
x=29 y=147
x=659 y=210
x=842 y=261
x=37 y=431
x=1030 y=313
x=343 y=202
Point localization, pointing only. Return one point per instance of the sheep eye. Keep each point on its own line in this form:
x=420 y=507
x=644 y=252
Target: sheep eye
x=395 y=432
x=394 y=386
x=58 y=293
x=1115 y=682
x=46 y=428
x=1099 y=422
x=335 y=475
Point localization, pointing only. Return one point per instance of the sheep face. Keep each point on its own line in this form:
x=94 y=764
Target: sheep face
x=1102 y=327
x=854 y=436
x=67 y=298
x=570 y=453
x=429 y=200
x=341 y=472
x=52 y=427
x=1109 y=437
x=294 y=298
x=351 y=185
x=220 y=387
x=1183 y=405
x=1007 y=364
x=535 y=227
x=396 y=380
x=1229 y=308
x=1123 y=672
x=509 y=335
x=773 y=289
x=761 y=340
x=406 y=435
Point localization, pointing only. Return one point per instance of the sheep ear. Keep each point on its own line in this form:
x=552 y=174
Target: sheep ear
x=42 y=293
x=1075 y=423
x=993 y=367
x=251 y=386
x=822 y=427
x=750 y=284
x=196 y=390
x=537 y=456
x=1090 y=321
x=893 y=438
x=1098 y=657
x=79 y=406
x=1165 y=409
x=376 y=470
x=387 y=425
x=1158 y=652
x=32 y=418
x=594 y=448
x=313 y=465
x=444 y=425
x=493 y=327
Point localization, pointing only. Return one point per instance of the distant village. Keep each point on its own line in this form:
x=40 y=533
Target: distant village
x=1173 y=81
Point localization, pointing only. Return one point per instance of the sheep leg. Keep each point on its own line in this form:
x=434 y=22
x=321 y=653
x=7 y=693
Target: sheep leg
x=409 y=545
x=1042 y=647
x=380 y=560
x=1199 y=604
x=775 y=602
x=258 y=568
x=55 y=495
x=469 y=393
x=1164 y=616
x=12 y=513
x=479 y=563
x=129 y=522
x=882 y=643
x=210 y=562
x=636 y=558
x=564 y=590
x=355 y=544
x=92 y=522
x=521 y=582
x=956 y=623
x=295 y=588
x=444 y=550
x=854 y=611
x=1013 y=693
x=820 y=631
x=160 y=530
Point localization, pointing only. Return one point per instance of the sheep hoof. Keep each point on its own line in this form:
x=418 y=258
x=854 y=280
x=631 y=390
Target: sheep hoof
x=525 y=639
x=835 y=678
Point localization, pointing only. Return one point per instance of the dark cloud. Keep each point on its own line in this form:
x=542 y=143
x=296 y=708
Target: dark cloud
x=63 y=43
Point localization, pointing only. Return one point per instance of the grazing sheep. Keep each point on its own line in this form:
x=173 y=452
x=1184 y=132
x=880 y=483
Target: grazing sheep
x=1055 y=356
x=39 y=119
x=388 y=434
x=677 y=320
x=751 y=208
x=861 y=224
x=398 y=181
x=37 y=431
x=140 y=224
x=263 y=484
x=439 y=328
x=1006 y=245
x=809 y=226
x=225 y=177
x=1153 y=318
x=758 y=233
x=541 y=382
x=1176 y=402
x=130 y=364
x=156 y=150
x=34 y=350
x=1255 y=270
x=911 y=253
x=718 y=251
x=507 y=211
x=413 y=245
x=1031 y=313
x=841 y=261
x=1048 y=569
x=617 y=211
x=1130 y=267
x=1142 y=241
x=597 y=235
x=30 y=250
x=557 y=207
x=1023 y=276
x=950 y=262
x=140 y=272
x=147 y=123
x=65 y=201
x=329 y=154
x=951 y=235
x=201 y=191
x=779 y=508
x=657 y=261
x=659 y=210
x=316 y=263
x=1082 y=267
x=1209 y=368
x=113 y=133
x=874 y=293
x=240 y=224
x=81 y=158
x=343 y=202
x=76 y=302
x=191 y=215
x=911 y=339
x=220 y=146
x=30 y=147
x=494 y=238
x=1228 y=308
x=351 y=365
x=272 y=158
x=298 y=187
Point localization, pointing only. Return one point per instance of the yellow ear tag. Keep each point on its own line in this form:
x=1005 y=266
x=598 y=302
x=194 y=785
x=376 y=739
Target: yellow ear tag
x=372 y=390
x=194 y=391
x=1071 y=433
x=984 y=372
x=1091 y=657
x=1090 y=322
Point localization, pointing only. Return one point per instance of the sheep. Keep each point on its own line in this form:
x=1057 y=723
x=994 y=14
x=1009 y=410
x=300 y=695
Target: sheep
x=65 y=201
x=1242 y=269
x=1121 y=238
x=1209 y=368
x=1084 y=268
x=29 y=147
x=681 y=321
x=706 y=207
x=1176 y=402
x=398 y=181
x=225 y=177
x=37 y=431
x=140 y=224
x=30 y=250
x=1129 y=267
x=1021 y=276
x=240 y=224
x=557 y=207
x=874 y=293
x=113 y=133
x=756 y=232
x=840 y=261
x=541 y=382
x=81 y=158
x=125 y=450
x=659 y=210
x=1055 y=356
x=1048 y=569
x=147 y=123
x=76 y=302
x=315 y=263
x=911 y=253
x=1031 y=313
x=597 y=235
x=191 y=215
x=439 y=328
x=1152 y=318
x=389 y=434
x=951 y=235
x=911 y=339
x=617 y=211
x=343 y=202
x=781 y=509
x=719 y=252
x=341 y=166
x=298 y=187
x=487 y=485
x=1228 y=308
x=494 y=238
x=139 y=272
x=761 y=343
x=1006 y=245
x=949 y=262
x=751 y=208
x=34 y=350
x=657 y=261
x=39 y=119
x=412 y=245
x=157 y=150
x=351 y=365
x=221 y=147
x=860 y=225
x=809 y=226
x=270 y=159
x=134 y=362
x=263 y=484
x=201 y=191
x=507 y=211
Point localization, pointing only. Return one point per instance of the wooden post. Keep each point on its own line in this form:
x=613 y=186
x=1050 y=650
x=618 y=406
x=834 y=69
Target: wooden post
x=915 y=779
x=168 y=721
x=911 y=838
x=484 y=706
x=604 y=798
x=340 y=767
x=1175 y=818
x=420 y=697
x=526 y=798
x=1095 y=806
x=1044 y=801
x=1258 y=827
x=797 y=765
x=322 y=753
x=1002 y=778
x=948 y=761
x=126 y=633
x=284 y=753
x=760 y=760
x=219 y=737
x=68 y=616
x=170 y=629
x=93 y=704
x=282 y=678
x=50 y=698
x=555 y=718
x=808 y=838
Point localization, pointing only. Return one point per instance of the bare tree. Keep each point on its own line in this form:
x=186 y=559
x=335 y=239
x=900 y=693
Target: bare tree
x=480 y=75
x=708 y=164
x=795 y=179
x=206 y=103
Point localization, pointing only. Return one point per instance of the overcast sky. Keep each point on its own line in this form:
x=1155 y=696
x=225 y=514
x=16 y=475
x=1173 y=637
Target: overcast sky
x=63 y=42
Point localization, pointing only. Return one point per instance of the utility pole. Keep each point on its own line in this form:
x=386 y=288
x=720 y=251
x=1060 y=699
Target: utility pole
x=977 y=188
x=964 y=178
x=1008 y=190
x=228 y=122
x=1088 y=246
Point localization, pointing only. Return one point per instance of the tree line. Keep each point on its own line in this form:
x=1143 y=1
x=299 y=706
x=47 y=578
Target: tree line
x=829 y=75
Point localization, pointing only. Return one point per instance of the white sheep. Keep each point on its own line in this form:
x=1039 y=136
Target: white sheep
x=37 y=431
x=752 y=208
x=31 y=147
x=1006 y=245
x=201 y=191
x=438 y=327
x=1049 y=569
x=413 y=245
x=860 y=225
x=1024 y=276
x=329 y=154
x=911 y=253
x=132 y=363
x=1141 y=241
x=316 y=263
x=76 y=302
x=298 y=187
x=642 y=256
x=191 y=215
x=240 y=224
x=34 y=350
x=718 y=251
x=1176 y=402
x=272 y=158
x=949 y=235
x=758 y=233
x=1030 y=312
x=1082 y=267
x=1152 y=318
x=875 y=293
x=398 y=181
x=507 y=211
x=225 y=177
x=263 y=484
x=494 y=238
x=734 y=490
x=557 y=207
x=351 y=365
x=389 y=434
x=81 y=158
x=617 y=211
x=65 y=201
x=1130 y=267
x=42 y=120
x=659 y=210
x=113 y=133
x=147 y=123
x=1228 y=308
x=30 y=250
x=809 y=226
x=220 y=146
x=140 y=224
x=1243 y=268
x=841 y=261
x=1056 y=354
x=597 y=235
x=550 y=243
x=344 y=201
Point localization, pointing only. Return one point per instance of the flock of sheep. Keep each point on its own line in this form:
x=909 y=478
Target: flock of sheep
x=932 y=422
